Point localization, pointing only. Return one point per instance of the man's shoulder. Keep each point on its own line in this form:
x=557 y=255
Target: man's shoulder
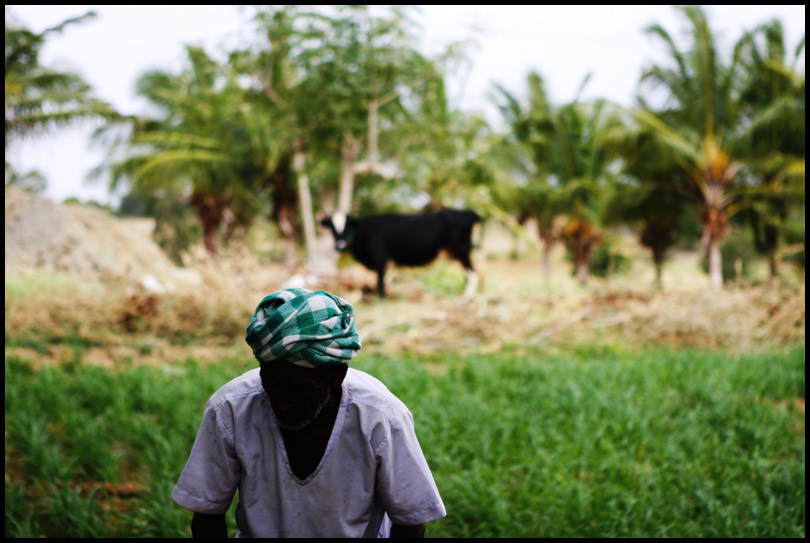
x=244 y=387
x=367 y=391
x=366 y=384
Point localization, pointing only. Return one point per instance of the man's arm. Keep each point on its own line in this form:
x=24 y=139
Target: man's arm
x=208 y=526
x=402 y=531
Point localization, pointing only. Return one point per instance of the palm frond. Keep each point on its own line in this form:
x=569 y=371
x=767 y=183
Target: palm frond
x=177 y=160
x=683 y=150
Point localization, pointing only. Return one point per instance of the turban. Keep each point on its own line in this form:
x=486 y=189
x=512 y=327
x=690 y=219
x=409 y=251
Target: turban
x=306 y=328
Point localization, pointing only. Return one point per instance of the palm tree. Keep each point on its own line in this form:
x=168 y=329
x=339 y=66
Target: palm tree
x=197 y=149
x=646 y=200
x=653 y=193
x=38 y=98
x=773 y=144
x=571 y=168
x=277 y=122
x=583 y=169
x=533 y=128
x=698 y=122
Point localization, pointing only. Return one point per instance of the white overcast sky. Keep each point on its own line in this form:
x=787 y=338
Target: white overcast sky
x=562 y=43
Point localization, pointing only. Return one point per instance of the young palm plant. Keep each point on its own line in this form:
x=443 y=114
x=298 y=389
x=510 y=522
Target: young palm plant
x=583 y=168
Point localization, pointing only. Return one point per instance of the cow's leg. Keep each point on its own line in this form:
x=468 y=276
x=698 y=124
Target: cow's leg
x=461 y=251
x=472 y=282
x=381 y=279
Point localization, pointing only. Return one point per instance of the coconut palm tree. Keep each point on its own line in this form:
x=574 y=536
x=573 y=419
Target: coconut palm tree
x=572 y=167
x=196 y=148
x=277 y=123
x=583 y=168
x=773 y=145
x=533 y=127
x=645 y=200
x=692 y=106
x=706 y=120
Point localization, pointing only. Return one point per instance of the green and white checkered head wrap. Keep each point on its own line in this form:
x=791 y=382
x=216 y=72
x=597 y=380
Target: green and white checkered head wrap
x=306 y=328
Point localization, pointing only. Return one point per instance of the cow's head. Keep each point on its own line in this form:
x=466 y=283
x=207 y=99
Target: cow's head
x=342 y=227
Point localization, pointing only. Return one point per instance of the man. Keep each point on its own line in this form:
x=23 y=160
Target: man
x=315 y=448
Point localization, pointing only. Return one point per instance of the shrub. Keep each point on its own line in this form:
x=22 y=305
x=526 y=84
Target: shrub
x=609 y=260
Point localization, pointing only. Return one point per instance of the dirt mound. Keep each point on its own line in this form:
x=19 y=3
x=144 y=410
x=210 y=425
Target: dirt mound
x=83 y=241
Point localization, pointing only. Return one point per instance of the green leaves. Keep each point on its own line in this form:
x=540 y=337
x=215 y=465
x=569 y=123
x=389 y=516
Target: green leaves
x=37 y=98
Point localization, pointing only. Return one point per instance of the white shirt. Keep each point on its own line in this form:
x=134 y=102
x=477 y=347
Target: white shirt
x=372 y=469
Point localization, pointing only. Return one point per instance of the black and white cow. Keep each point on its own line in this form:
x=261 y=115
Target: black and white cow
x=407 y=240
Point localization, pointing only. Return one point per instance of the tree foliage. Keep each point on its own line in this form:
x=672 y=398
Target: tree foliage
x=342 y=92
x=39 y=99
x=571 y=168
x=337 y=108
x=196 y=148
x=705 y=121
x=773 y=143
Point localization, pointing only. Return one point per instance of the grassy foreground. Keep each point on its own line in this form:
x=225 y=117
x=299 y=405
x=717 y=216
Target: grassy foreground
x=522 y=443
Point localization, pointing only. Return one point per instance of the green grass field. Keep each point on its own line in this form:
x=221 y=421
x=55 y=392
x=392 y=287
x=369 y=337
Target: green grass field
x=591 y=442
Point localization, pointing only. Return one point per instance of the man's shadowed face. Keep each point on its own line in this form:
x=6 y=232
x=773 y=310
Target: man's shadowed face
x=298 y=394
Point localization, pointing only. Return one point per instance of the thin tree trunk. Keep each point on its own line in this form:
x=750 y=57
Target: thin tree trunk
x=210 y=240
x=547 y=246
x=305 y=201
x=210 y=211
x=286 y=217
x=582 y=272
x=715 y=263
x=658 y=284
x=715 y=226
x=351 y=150
x=547 y=236
x=373 y=150
x=581 y=241
x=773 y=266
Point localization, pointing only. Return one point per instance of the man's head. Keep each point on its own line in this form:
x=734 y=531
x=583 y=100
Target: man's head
x=303 y=341
x=302 y=327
